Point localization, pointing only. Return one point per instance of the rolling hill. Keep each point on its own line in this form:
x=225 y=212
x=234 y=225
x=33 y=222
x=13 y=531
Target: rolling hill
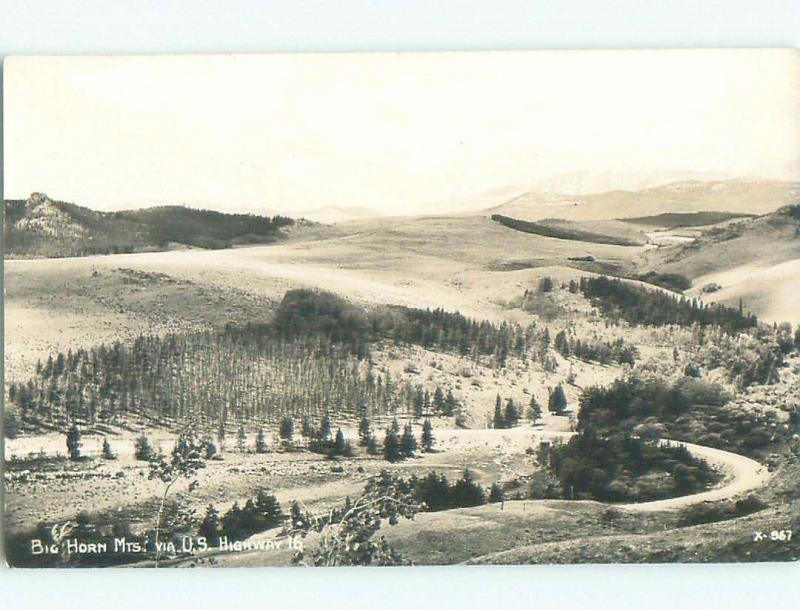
x=753 y=259
x=40 y=227
x=731 y=196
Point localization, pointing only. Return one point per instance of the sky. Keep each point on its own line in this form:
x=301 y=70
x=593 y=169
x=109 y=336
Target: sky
x=396 y=132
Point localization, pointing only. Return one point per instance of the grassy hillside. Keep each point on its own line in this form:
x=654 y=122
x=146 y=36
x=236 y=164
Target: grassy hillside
x=753 y=259
x=768 y=239
x=42 y=228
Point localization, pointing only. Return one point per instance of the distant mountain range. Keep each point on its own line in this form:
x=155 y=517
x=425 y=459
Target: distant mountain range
x=730 y=196
x=41 y=227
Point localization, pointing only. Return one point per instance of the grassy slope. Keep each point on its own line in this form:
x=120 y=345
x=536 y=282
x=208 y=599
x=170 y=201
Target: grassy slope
x=755 y=259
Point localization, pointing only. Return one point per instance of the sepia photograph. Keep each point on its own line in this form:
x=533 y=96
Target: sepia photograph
x=401 y=309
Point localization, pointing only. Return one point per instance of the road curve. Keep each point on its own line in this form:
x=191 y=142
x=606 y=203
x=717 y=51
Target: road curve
x=741 y=475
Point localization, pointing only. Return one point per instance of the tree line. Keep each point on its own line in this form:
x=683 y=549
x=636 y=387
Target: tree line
x=638 y=305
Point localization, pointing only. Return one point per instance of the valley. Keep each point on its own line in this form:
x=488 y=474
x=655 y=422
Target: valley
x=541 y=328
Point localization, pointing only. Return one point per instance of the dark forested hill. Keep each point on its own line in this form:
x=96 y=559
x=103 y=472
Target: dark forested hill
x=588 y=232
x=42 y=228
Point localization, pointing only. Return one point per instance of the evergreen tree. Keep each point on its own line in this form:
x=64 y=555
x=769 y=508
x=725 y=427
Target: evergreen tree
x=364 y=431
x=339 y=444
x=427 y=436
x=408 y=443
x=496 y=494
x=268 y=509
x=221 y=435
x=391 y=446
x=286 y=431
x=558 y=401
x=210 y=527
x=74 y=442
x=108 y=454
x=534 y=411
x=142 y=449
x=450 y=403
x=308 y=427
x=438 y=400
x=419 y=403
x=511 y=417
x=241 y=439
x=395 y=426
x=498 y=420
x=325 y=428
x=261 y=441
x=11 y=425
x=466 y=492
x=561 y=344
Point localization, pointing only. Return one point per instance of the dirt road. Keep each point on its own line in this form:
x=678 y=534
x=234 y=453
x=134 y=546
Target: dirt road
x=741 y=475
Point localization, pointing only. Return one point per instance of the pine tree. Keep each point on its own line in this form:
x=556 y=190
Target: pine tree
x=11 y=425
x=142 y=449
x=364 y=431
x=496 y=494
x=558 y=401
x=498 y=420
x=561 y=344
x=534 y=411
x=286 y=431
x=241 y=439
x=339 y=444
x=325 y=428
x=427 y=436
x=438 y=400
x=74 y=442
x=210 y=527
x=391 y=446
x=511 y=417
x=108 y=454
x=261 y=441
x=408 y=442
x=450 y=403
x=268 y=509
x=221 y=435
x=395 y=426
x=308 y=427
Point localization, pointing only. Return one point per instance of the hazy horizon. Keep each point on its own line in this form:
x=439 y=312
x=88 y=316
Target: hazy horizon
x=398 y=133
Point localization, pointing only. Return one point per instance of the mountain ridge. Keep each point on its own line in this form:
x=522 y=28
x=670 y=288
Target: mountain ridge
x=40 y=227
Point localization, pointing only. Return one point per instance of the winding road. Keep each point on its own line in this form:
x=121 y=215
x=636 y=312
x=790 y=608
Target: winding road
x=741 y=475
